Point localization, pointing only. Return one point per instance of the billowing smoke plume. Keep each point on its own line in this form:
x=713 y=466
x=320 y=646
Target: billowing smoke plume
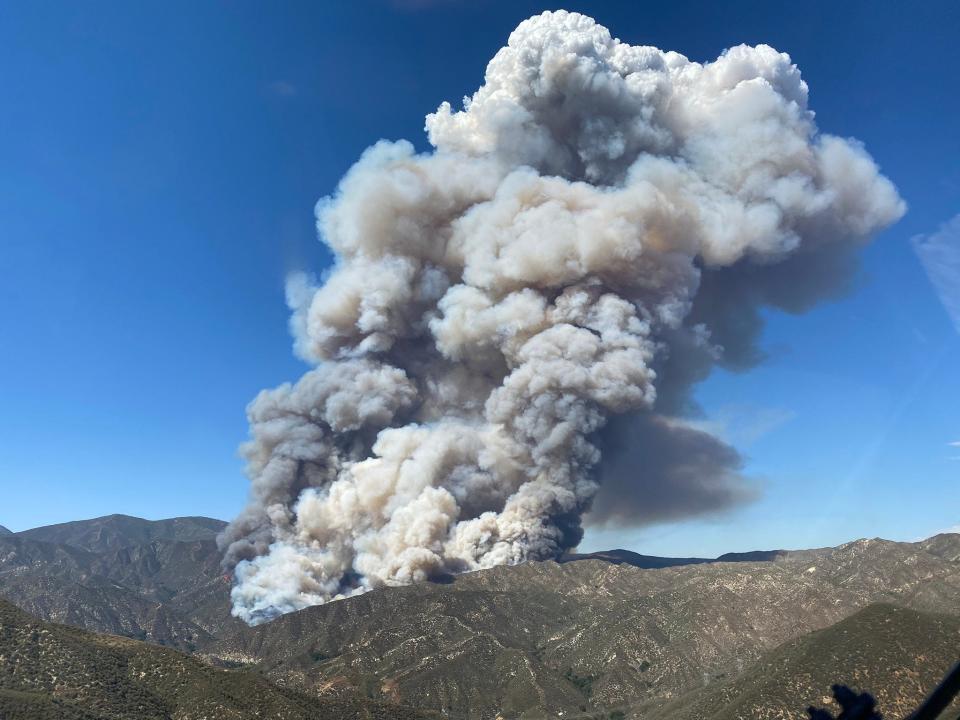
x=597 y=228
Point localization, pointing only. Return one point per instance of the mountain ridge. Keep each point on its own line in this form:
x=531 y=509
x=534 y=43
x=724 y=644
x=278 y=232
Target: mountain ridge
x=655 y=562
x=111 y=532
x=57 y=672
x=587 y=634
x=583 y=635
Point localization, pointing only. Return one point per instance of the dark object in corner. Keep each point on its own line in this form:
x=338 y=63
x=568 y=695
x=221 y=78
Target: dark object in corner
x=941 y=696
x=853 y=706
x=861 y=707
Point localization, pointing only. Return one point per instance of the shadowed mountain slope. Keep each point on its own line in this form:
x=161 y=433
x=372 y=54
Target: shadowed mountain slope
x=4 y=531
x=63 y=673
x=896 y=654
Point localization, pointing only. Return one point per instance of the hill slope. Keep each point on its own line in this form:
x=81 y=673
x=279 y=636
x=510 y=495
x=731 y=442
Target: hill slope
x=5 y=531
x=587 y=636
x=894 y=653
x=58 y=672
x=167 y=591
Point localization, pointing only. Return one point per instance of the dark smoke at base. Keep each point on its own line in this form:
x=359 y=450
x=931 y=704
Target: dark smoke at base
x=595 y=231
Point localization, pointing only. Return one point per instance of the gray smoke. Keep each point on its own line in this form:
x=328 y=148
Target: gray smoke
x=596 y=229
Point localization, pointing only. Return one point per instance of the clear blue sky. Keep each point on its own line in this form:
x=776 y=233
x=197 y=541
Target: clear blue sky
x=159 y=164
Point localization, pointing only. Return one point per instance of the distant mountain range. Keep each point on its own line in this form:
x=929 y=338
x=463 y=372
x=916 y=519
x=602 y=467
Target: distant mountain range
x=592 y=635
x=654 y=562
x=119 y=531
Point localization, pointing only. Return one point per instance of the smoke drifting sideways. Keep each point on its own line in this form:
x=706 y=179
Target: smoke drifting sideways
x=597 y=228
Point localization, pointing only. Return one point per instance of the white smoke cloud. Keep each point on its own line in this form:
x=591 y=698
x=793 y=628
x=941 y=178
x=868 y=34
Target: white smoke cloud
x=595 y=230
